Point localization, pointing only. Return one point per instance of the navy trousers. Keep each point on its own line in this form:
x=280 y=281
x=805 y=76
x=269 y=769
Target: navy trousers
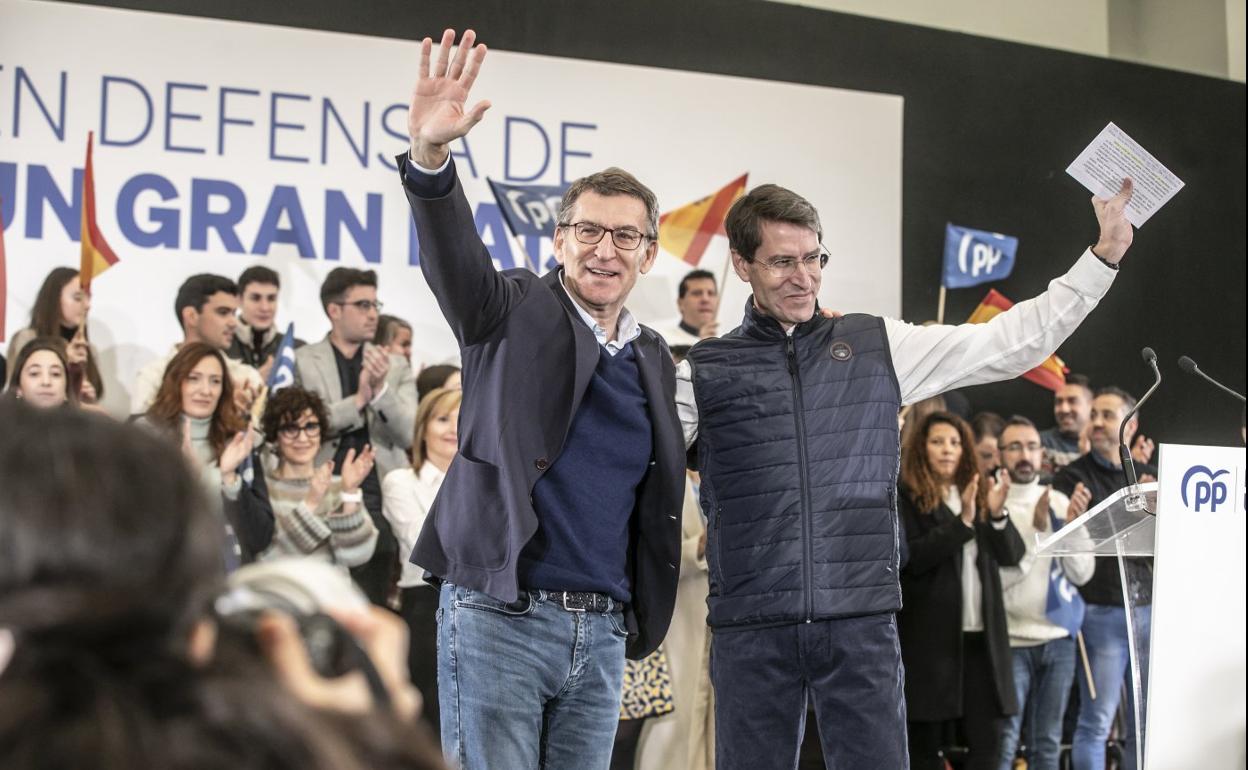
x=849 y=668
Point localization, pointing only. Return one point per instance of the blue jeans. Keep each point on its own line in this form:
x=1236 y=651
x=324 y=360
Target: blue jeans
x=1042 y=679
x=527 y=684
x=1105 y=636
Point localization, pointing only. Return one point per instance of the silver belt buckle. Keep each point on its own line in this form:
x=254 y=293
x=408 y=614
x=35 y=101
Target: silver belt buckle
x=564 y=598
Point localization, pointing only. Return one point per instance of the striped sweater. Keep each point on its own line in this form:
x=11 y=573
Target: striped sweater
x=327 y=533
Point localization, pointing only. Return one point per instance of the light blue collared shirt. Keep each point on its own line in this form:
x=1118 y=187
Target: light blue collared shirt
x=626 y=327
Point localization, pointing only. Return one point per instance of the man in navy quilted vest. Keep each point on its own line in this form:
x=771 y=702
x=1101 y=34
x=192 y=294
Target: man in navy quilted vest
x=794 y=418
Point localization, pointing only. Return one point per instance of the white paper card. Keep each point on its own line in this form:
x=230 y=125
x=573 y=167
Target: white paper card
x=1112 y=156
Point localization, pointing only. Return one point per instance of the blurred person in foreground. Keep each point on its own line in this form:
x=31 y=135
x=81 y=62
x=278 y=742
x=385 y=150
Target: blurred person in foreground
x=116 y=659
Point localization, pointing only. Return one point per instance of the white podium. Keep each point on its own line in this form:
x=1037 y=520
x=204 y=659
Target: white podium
x=1189 y=683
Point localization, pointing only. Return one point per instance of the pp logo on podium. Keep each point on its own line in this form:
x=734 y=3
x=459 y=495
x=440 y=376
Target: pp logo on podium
x=1206 y=491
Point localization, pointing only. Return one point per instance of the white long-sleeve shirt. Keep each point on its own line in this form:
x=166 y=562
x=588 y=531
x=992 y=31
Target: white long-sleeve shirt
x=1026 y=586
x=933 y=359
x=406 y=497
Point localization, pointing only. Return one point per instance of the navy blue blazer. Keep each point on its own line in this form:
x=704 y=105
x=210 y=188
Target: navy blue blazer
x=527 y=360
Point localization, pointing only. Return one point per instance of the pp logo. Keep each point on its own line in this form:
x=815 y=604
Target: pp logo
x=984 y=258
x=1207 y=491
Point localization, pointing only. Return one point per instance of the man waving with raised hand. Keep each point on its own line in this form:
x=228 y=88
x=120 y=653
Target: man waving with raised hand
x=556 y=533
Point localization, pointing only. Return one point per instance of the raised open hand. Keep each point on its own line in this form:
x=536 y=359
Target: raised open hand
x=1116 y=231
x=437 y=116
x=235 y=452
x=969 y=495
x=356 y=468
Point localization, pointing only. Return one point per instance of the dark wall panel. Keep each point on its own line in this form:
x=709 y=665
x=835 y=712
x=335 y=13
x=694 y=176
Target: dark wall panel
x=989 y=129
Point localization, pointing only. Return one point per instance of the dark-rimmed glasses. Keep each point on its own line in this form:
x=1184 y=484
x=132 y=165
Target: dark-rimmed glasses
x=291 y=431
x=590 y=234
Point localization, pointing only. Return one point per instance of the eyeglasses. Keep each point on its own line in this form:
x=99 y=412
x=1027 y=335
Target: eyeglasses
x=590 y=234
x=291 y=432
x=1018 y=446
x=362 y=305
x=784 y=267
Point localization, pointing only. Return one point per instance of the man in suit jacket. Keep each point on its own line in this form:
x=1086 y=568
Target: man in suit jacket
x=371 y=399
x=556 y=533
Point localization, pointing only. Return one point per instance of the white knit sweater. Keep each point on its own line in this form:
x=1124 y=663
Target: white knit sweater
x=1026 y=587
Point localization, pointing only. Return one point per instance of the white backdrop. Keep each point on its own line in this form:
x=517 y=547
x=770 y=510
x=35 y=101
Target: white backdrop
x=195 y=118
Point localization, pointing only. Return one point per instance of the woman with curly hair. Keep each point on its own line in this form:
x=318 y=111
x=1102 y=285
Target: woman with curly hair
x=954 y=642
x=195 y=407
x=316 y=513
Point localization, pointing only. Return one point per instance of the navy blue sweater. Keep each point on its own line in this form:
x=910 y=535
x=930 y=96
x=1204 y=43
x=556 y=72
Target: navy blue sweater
x=585 y=501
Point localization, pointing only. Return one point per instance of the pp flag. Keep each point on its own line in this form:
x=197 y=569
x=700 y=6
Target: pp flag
x=973 y=257
x=531 y=211
x=1063 y=606
x=283 y=372
x=280 y=376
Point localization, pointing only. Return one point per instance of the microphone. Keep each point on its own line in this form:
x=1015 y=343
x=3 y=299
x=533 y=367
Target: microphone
x=1124 y=452
x=1189 y=366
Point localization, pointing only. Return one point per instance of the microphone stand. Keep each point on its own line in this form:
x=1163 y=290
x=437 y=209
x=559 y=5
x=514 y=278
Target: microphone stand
x=1135 y=501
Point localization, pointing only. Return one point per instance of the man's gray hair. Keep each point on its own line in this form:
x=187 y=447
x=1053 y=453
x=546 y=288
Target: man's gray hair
x=608 y=182
x=766 y=203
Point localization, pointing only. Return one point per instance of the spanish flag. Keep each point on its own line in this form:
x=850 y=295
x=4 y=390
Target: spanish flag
x=97 y=255
x=1052 y=373
x=685 y=232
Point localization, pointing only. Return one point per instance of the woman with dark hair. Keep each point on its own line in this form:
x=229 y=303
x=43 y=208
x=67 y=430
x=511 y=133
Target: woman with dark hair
x=954 y=641
x=195 y=406
x=113 y=657
x=317 y=514
x=41 y=374
x=60 y=310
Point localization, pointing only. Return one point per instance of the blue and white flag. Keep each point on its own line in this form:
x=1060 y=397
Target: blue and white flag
x=1064 y=606
x=280 y=376
x=973 y=257
x=531 y=212
x=283 y=372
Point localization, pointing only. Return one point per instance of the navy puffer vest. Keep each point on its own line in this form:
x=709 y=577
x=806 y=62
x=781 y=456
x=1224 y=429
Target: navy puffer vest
x=798 y=451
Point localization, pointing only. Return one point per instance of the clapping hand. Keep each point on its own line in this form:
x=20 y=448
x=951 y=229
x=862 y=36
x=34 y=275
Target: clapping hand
x=1040 y=513
x=437 y=116
x=1080 y=498
x=355 y=468
x=1142 y=449
x=234 y=453
x=998 y=488
x=318 y=485
x=376 y=366
x=968 y=501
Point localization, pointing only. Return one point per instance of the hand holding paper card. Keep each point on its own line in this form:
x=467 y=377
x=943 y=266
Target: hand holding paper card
x=1114 y=156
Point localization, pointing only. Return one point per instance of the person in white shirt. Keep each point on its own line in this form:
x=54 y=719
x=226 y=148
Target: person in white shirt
x=206 y=307
x=697 y=299
x=407 y=495
x=1043 y=651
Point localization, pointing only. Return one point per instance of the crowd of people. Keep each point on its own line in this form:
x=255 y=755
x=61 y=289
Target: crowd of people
x=565 y=531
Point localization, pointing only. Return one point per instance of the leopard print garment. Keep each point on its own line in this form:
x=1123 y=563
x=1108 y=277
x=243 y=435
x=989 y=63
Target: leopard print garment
x=647 y=687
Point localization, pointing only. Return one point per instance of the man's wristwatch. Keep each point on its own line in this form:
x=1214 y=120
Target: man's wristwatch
x=1005 y=514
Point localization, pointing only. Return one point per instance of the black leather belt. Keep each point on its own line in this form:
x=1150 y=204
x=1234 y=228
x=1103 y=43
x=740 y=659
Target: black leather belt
x=581 y=601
